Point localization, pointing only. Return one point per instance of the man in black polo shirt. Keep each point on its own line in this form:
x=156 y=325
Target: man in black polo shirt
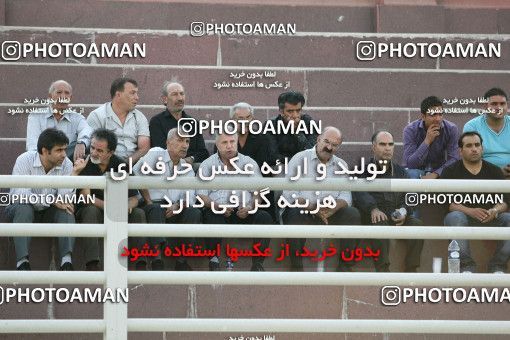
x=256 y=146
x=173 y=98
x=287 y=145
x=101 y=160
x=491 y=212
x=388 y=208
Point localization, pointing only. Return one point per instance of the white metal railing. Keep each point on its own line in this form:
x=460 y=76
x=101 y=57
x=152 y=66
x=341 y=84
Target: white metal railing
x=115 y=324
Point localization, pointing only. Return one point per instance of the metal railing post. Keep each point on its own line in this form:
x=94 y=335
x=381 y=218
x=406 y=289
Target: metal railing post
x=115 y=267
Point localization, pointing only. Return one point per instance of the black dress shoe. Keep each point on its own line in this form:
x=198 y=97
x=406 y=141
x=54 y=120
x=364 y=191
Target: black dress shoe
x=343 y=268
x=214 y=266
x=296 y=268
x=182 y=266
x=141 y=265
x=157 y=265
x=257 y=267
x=24 y=266
x=92 y=266
x=67 y=266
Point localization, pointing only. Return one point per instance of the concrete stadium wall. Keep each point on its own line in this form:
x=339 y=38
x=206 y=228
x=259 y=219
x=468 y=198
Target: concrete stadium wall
x=358 y=97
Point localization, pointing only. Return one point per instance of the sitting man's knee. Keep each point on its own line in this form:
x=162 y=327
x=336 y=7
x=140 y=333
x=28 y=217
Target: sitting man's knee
x=90 y=213
x=20 y=211
x=505 y=218
x=137 y=216
x=381 y=223
x=293 y=216
x=456 y=218
x=352 y=214
x=263 y=217
x=193 y=215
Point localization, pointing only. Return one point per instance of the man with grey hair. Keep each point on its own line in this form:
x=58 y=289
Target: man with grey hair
x=173 y=97
x=121 y=116
x=388 y=208
x=180 y=211
x=218 y=207
x=341 y=213
x=58 y=115
x=255 y=146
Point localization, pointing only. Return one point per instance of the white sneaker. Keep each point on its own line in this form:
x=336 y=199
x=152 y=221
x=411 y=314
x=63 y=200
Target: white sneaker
x=498 y=272
x=467 y=272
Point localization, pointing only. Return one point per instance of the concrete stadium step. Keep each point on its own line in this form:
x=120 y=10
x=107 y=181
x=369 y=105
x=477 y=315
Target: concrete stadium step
x=306 y=50
x=152 y=15
x=357 y=125
x=322 y=88
x=341 y=16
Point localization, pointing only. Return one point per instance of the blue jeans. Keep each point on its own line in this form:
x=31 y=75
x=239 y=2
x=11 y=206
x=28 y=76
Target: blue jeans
x=25 y=213
x=500 y=257
x=415 y=174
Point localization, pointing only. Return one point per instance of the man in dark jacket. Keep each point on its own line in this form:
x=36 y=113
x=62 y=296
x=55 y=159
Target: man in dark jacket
x=388 y=208
x=287 y=145
x=173 y=97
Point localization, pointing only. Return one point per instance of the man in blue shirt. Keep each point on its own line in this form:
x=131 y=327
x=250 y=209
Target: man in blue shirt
x=494 y=127
x=430 y=143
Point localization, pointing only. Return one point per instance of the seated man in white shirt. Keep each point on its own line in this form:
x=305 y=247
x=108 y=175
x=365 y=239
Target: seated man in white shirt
x=121 y=116
x=219 y=199
x=58 y=115
x=49 y=160
x=174 y=159
x=342 y=214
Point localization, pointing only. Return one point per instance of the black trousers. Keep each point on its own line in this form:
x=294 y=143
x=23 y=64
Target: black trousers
x=344 y=216
x=260 y=217
x=156 y=215
x=414 y=248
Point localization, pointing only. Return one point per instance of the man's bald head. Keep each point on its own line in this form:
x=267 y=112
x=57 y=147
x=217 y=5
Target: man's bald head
x=328 y=143
x=177 y=146
x=383 y=145
x=331 y=131
x=60 y=92
x=56 y=84
x=173 y=96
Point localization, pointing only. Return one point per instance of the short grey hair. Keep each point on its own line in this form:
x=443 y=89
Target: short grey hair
x=164 y=89
x=54 y=85
x=327 y=128
x=217 y=135
x=172 y=133
x=241 y=105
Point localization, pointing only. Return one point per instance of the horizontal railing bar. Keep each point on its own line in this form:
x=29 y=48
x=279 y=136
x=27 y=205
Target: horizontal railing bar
x=50 y=230
x=389 y=185
x=393 y=185
x=263 y=325
x=272 y=231
x=52 y=326
x=319 y=279
x=15 y=277
x=318 y=231
x=320 y=326
x=18 y=181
